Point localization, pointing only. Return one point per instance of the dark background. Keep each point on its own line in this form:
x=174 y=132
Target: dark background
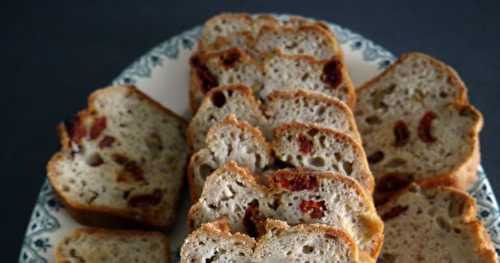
x=56 y=52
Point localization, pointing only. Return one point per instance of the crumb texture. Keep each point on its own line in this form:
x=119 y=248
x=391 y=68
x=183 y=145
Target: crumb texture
x=104 y=246
x=434 y=225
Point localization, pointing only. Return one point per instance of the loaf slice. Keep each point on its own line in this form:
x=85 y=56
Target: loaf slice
x=112 y=246
x=286 y=72
x=294 y=196
x=213 y=242
x=313 y=40
x=434 y=224
x=276 y=71
x=322 y=149
x=228 y=30
x=228 y=140
x=232 y=66
x=123 y=157
x=310 y=108
x=217 y=105
x=416 y=125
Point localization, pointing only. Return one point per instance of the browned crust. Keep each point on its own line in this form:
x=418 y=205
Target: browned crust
x=103 y=233
x=102 y=215
x=195 y=94
x=368 y=177
x=232 y=121
x=454 y=77
x=207 y=103
x=484 y=246
x=371 y=218
x=190 y=177
x=328 y=100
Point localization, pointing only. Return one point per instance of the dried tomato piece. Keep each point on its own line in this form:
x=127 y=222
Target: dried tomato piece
x=393 y=181
x=98 y=126
x=146 y=200
x=94 y=160
x=376 y=157
x=107 y=141
x=76 y=130
x=424 y=127
x=253 y=220
x=332 y=74
x=401 y=133
x=296 y=183
x=130 y=168
x=207 y=79
x=230 y=57
x=305 y=145
x=394 y=212
x=315 y=209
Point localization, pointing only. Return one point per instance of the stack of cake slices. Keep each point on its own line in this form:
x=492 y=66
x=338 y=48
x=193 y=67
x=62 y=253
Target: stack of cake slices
x=285 y=160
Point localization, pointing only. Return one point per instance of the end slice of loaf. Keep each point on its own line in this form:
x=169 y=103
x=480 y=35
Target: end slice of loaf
x=228 y=140
x=434 y=224
x=113 y=246
x=123 y=157
x=416 y=125
x=217 y=105
x=294 y=196
x=310 y=108
x=213 y=242
x=322 y=149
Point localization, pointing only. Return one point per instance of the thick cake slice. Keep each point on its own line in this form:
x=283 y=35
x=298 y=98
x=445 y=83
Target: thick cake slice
x=322 y=149
x=416 y=125
x=294 y=196
x=213 y=242
x=228 y=140
x=276 y=72
x=304 y=72
x=123 y=157
x=310 y=108
x=217 y=105
x=434 y=224
x=95 y=245
x=312 y=40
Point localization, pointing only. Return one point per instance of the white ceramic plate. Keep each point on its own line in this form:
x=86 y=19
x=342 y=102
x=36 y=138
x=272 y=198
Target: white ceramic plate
x=163 y=74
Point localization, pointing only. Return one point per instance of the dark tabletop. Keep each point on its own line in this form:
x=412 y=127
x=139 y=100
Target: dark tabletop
x=57 y=52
